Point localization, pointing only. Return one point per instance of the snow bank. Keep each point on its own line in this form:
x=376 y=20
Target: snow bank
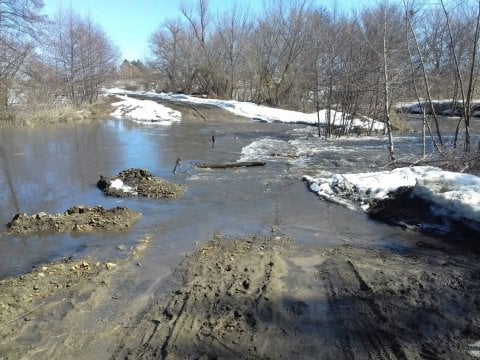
x=265 y=113
x=145 y=111
x=454 y=194
x=269 y=114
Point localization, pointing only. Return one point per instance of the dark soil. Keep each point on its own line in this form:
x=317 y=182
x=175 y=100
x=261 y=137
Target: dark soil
x=75 y=219
x=143 y=184
x=403 y=208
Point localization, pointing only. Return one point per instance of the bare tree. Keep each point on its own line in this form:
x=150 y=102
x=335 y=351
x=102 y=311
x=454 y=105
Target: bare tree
x=81 y=54
x=233 y=29
x=409 y=13
x=198 y=20
x=387 y=87
x=380 y=34
x=98 y=58
x=280 y=44
x=468 y=92
x=167 y=45
x=471 y=80
x=18 y=21
x=457 y=69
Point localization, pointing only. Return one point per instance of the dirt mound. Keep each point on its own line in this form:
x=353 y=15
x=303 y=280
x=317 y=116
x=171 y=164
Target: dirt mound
x=77 y=219
x=402 y=207
x=139 y=182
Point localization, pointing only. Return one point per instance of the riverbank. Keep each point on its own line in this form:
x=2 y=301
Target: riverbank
x=62 y=114
x=252 y=297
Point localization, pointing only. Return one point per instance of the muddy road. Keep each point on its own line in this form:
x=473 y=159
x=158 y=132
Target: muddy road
x=255 y=297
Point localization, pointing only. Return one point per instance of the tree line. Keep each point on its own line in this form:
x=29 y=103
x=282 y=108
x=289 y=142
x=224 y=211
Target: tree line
x=300 y=56
x=45 y=61
x=294 y=54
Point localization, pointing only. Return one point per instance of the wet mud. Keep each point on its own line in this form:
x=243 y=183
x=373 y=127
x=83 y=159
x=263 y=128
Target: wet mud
x=81 y=219
x=68 y=309
x=263 y=298
x=255 y=297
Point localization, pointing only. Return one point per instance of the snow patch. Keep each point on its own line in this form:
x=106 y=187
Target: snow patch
x=118 y=184
x=454 y=194
x=268 y=114
x=145 y=111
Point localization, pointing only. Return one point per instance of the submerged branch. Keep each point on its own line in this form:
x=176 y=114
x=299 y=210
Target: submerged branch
x=231 y=165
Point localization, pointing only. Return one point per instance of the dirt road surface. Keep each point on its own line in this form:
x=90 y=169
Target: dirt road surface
x=258 y=297
x=264 y=298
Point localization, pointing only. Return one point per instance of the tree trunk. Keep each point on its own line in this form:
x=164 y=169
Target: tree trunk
x=425 y=124
x=470 y=83
x=317 y=99
x=457 y=70
x=386 y=91
x=231 y=165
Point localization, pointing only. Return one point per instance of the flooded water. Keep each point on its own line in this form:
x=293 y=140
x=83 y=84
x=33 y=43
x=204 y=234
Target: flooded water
x=51 y=169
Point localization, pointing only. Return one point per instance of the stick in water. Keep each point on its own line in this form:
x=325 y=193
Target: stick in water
x=177 y=164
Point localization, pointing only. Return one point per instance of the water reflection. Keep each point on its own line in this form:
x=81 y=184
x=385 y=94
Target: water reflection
x=50 y=169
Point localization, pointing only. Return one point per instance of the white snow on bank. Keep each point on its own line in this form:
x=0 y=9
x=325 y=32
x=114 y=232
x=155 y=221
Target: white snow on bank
x=118 y=184
x=145 y=111
x=265 y=113
x=270 y=114
x=456 y=194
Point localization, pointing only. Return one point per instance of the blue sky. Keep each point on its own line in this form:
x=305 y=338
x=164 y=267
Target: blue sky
x=129 y=23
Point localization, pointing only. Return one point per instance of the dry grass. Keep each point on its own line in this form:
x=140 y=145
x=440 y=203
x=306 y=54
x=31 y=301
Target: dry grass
x=48 y=114
x=400 y=123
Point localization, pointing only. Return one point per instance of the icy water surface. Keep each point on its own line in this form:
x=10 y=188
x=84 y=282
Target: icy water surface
x=51 y=169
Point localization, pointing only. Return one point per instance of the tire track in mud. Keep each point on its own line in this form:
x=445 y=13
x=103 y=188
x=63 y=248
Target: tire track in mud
x=260 y=297
x=221 y=308
x=354 y=314
x=387 y=306
x=195 y=111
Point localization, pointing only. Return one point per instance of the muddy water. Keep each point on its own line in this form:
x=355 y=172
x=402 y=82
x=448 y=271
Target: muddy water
x=54 y=168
